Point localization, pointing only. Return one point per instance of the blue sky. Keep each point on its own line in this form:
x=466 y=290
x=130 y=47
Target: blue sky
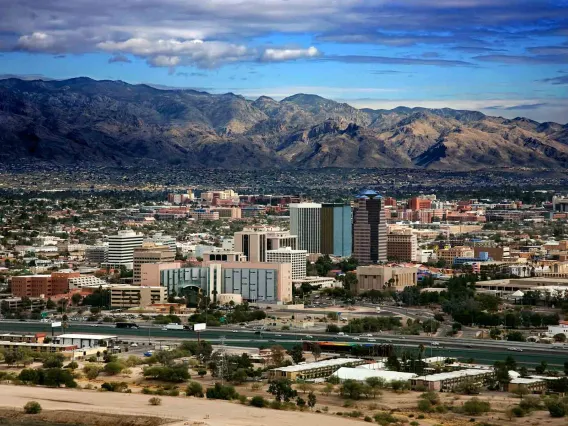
x=503 y=57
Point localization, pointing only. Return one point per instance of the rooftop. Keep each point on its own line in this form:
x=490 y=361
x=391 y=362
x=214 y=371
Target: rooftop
x=320 y=364
x=86 y=336
x=451 y=375
x=346 y=373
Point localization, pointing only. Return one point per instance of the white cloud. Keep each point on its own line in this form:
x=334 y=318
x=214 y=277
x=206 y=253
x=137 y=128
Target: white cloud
x=289 y=54
x=164 y=61
x=37 y=42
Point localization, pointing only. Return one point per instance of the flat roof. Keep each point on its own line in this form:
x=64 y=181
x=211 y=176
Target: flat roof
x=346 y=373
x=86 y=336
x=452 y=375
x=525 y=381
x=47 y=345
x=319 y=364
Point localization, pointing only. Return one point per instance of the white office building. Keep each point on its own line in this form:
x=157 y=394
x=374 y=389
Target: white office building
x=164 y=240
x=305 y=222
x=297 y=258
x=121 y=248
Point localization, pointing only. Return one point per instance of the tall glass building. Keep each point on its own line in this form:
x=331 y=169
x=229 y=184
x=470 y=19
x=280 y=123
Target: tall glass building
x=369 y=229
x=336 y=229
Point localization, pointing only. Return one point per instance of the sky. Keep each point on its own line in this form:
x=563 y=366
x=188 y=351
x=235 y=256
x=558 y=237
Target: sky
x=502 y=57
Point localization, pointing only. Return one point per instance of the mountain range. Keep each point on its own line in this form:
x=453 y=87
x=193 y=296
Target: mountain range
x=105 y=122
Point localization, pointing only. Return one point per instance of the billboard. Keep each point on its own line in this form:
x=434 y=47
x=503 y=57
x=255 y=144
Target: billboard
x=56 y=324
x=199 y=327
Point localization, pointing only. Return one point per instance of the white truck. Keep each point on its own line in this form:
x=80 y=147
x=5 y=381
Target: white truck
x=378 y=310
x=172 y=326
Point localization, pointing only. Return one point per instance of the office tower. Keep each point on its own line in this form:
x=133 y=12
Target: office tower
x=96 y=254
x=336 y=230
x=121 y=248
x=402 y=246
x=254 y=241
x=369 y=229
x=150 y=253
x=296 y=258
x=305 y=222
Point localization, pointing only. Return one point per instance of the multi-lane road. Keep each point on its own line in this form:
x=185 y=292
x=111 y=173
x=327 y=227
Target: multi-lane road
x=482 y=351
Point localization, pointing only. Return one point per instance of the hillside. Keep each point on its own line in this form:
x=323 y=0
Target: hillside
x=112 y=122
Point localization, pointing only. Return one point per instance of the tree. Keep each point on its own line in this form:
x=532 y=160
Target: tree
x=566 y=368
x=282 y=390
x=312 y=400
x=560 y=337
x=521 y=391
x=556 y=409
x=351 y=389
x=316 y=351
x=92 y=371
x=257 y=401
x=515 y=336
x=541 y=368
x=375 y=383
x=494 y=333
x=305 y=387
x=277 y=355
x=393 y=363
x=297 y=354
x=54 y=361
x=76 y=299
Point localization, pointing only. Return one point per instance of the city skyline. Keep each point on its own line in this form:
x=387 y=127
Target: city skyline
x=501 y=57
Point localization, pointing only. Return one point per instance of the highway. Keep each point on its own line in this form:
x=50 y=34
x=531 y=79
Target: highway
x=482 y=351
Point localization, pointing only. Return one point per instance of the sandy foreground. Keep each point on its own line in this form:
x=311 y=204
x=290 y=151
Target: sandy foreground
x=182 y=411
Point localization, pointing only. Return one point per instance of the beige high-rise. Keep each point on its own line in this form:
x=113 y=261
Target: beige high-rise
x=254 y=241
x=150 y=253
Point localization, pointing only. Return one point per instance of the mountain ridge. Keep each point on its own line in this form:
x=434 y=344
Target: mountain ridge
x=106 y=121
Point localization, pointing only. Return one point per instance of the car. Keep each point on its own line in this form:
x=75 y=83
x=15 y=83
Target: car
x=272 y=341
x=372 y=340
x=235 y=331
x=435 y=343
x=148 y=354
x=356 y=338
x=389 y=341
x=368 y=335
x=134 y=345
x=309 y=336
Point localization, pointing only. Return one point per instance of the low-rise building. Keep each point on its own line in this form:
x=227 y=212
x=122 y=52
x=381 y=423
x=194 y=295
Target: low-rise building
x=448 y=381
x=85 y=340
x=530 y=384
x=381 y=277
x=362 y=374
x=130 y=296
x=313 y=370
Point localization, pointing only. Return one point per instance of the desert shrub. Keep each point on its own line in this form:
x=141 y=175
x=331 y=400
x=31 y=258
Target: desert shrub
x=276 y=405
x=242 y=399
x=258 y=401
x=72 y=365
x=556 y=409
x=425 y=405
x=354 y=414
x=385 y=418
x=368 y=419
x=476 y=406
x=420 y=416
x=32 y=407
x=194 y=389
x=414 y=423
x=113 y=368
x=531 y=403
x=115 y=386
x=518 y=411
x=155 y=401
x=177 y=373
x=221 y=392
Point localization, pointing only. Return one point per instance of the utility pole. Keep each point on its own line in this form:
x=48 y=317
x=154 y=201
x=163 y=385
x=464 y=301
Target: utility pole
x=222 y=360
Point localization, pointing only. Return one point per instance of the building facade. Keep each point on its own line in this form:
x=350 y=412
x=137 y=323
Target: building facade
x=402 y=247
x=121 y=248
x=305 y=222
x=296 y=258
x=41 y=285
x=130 y=296
x=254 y=281
x=96 y=254
x=150 y=253
x=383 y=277
x=369 y=229
x=254 y=241
x=336 y=237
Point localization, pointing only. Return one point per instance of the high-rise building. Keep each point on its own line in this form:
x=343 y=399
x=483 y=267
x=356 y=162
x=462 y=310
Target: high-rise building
x=254 y=241
x=402 y=246
x=336 y=230
x=121 y=248
x=297 y=258
x=369 y=229
x=150 y=253
x=305 y=222
x=417 y=203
